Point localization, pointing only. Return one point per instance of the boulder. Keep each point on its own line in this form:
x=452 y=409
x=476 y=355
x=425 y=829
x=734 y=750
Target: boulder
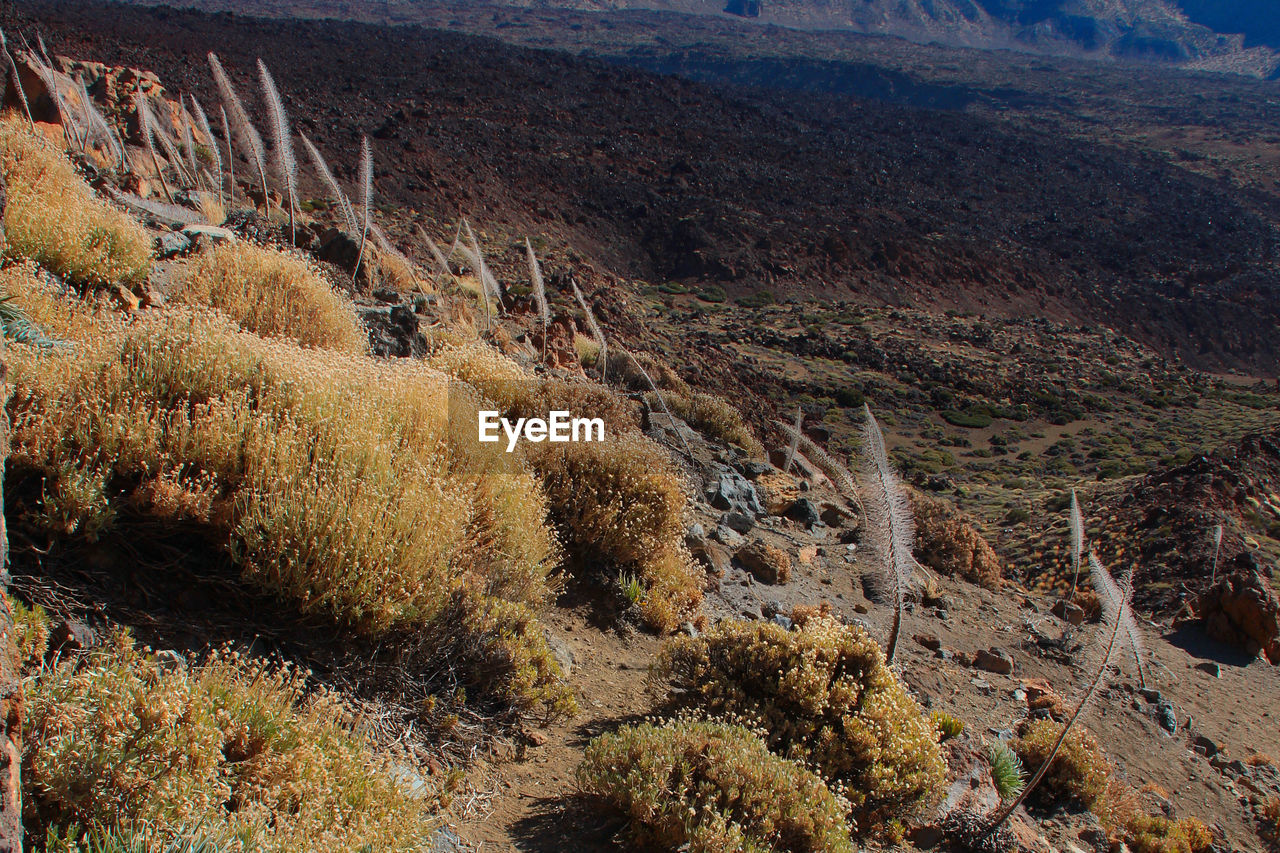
x=729 y=490
x=767 y=563
x=1242 y=610
x=995 y=660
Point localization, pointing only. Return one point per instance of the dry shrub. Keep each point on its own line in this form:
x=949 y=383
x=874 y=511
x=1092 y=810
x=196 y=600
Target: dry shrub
x=823 y=696
x=54 y=218
x=274 y=294
x=1080 y=771
x=716 y=418
x=1269 y=815
x=333 y=479
x=1158 y=834
x=711 y=788
x=233 y=745
x=620 y=503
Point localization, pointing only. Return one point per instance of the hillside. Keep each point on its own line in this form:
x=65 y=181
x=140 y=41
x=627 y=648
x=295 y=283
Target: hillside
x=934 y=502
x=778 y=193
x=1219 y=36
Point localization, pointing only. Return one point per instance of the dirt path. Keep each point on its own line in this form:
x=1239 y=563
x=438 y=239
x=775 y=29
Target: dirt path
x=532 y=809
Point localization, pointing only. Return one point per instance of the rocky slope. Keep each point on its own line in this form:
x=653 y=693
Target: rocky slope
x=1197 y=34
x=776 y=195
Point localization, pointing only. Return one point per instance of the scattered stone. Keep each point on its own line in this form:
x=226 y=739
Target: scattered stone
x=785 y=622
x=214 y=234
x=755 y=468
x=804 y=512
x=771 y=608
x=696 y=533
x=834 y=516
x=71 y=635
x=713 y=557
x=739 y=522
x=729 y=490
x=171 y=661
x=727 y=536
x=995 y=660
x=170 y=244
x=1205 y=746
x=944 y=654
x=125 y=298
x=929 y=641
x=769 y=564
x=861 y=609
x=1210 y=667
x=560 y=651
x=1151 y=695
x=1068 y=612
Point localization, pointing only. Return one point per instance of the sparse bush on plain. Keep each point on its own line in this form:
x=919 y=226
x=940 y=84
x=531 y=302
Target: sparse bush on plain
x=1079 y=771
x=948 y=726
x=711 y=788
x=53 y=217
x=822 y=695
x=1006 y=770
x=275 y=295
x=233 y=746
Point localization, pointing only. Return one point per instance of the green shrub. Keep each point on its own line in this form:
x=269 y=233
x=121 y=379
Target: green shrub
x=1006 y=770
x=823 y=696
x=710 y=788
x=948 y=726
x=971 y=419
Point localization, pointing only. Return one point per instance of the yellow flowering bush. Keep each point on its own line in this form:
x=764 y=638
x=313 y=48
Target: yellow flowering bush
x=119 y=738
x=711 y=788
x=1158 y=834
x=1080 y=771
x=821 y=695
x=54 y=218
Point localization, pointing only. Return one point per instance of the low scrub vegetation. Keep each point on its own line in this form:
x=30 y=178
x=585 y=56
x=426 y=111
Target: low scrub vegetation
x=621 y=503
x=823 y=696
x=275 y=295
x=710 y=788
x=331 y=478
x=120 y=745
x=54 y=218
x=715 y=418
x=1079 y=772
x=1158 y=834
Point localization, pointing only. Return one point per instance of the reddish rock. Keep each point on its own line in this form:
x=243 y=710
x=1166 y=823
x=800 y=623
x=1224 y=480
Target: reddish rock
x=769 y=564
x=1242 y=610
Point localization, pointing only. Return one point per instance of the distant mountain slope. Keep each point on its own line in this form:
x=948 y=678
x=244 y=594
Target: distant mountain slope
x=1257 y=20
x=1220 y=34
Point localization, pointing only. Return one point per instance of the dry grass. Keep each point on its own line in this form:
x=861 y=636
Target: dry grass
x=711 y=788
x=332 y=478
x=275 y=295
x=823 y=696
x=54 y=218
x=235 y=746
x=715 y=418
x=1158 y=834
